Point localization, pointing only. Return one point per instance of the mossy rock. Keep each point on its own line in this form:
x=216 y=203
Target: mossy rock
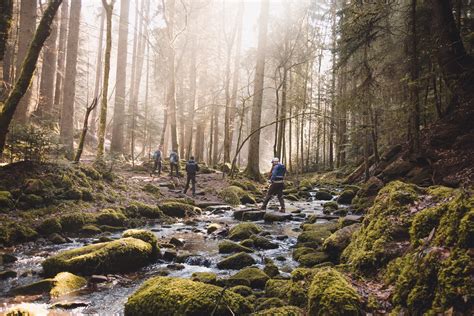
x=292 y=197
x=6 y=201
x=152 y=189
x=204 y=277
x=261 y=242
x=13 y=233
x=247 y=243
x=256 y=277
x=278 y=288
x=237 y=261
x=331 y=294
x=111 y=217
x=227 y=246
x=72 y=222
x=323 y=195
x=72 y=194
x=50 y=226
x=90 y=230
x=62 y=284
x=235 y=195
x=267 y=303
x=122 y=255
x=173 y=296
x=313 y=258
x=306 y=184
x=244 y=231
x=281 y=311
x=31 y=201
x=313 y=238
x=271 y=269
x=145 y=235
x=245 y=185
x=111 y=229
x=242 y=290
x=179 y=209
x=346 y=197
x=139 y=209
x=331 y=206
x=335 y=244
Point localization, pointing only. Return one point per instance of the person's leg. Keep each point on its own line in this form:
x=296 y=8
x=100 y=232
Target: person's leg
x=177 y=170
x=159 y=167
x=187 y=184
x=270 y=193
x=280 y=196
x=193 y=179
x=171 y=169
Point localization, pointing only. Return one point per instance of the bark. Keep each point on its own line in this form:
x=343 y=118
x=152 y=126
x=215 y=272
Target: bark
x=27 y=69
x=6 y=16
x=98 y=72
x=414 y=125
x=109 y=7
x=171 y=98
x=63 y=34
x=67 y=113
x=192 y=97
x=27 y=30
x=253 y=161
x=82 y=139
x=117 y=142
x=45 y=105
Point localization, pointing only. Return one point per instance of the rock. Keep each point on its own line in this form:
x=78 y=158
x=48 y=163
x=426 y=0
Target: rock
x=271 y=269
x=262 y=242
x=323 y=195
x=236 y=262
x=72 y=222
x=178 y=209
x=122 y=255
x=176 y=242
x=314 y=237
x=227 y=246
x=7 y=274
x=204 y=277
x=145 y=235
x=90 y=230
x=256 y=277
x=283 y=311
x=31 y=201
x=235 y=195
x=50 y=226
x=350 y=219
x=277 y=217
x=242 y=290
x=6 y=201
x=213 y=227
x=169 y=255
x=247 y=243
x=175 y=266
x=69 y=305
x=57 y=239
x=331 y=294
x=281 y=237
x=174 y=296
x=339 y=240
x=291 y=197
x=253 y=215
x=239 y=213
x=330 y=206
x=139 y=209
x=267 y=303
x=63 y=283
x=95 y=278
x=110 y=217
x=341 y=212
x=346 y=197
x=7 y=258
x=243 y=231
x=313 y=258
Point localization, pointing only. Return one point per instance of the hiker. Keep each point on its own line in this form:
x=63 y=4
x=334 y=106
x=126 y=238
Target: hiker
x=174 y=160
x=157 y=160
x=276 y=187
x=191 y=169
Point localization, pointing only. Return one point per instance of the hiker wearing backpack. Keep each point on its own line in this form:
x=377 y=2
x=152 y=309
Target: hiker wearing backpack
x=191 y=169
x=157 y=161
x=277 y=175
x=174 y=161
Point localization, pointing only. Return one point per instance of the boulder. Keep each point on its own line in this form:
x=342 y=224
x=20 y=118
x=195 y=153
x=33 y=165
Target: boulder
x=314 y=237
x=242 y=290
x=253 y=216
x=63 y=283
x=110 y=217
x=281 y=311
x=204 y=277
x=256 y=277
x=346 y=197
x=50 y=226
x=239 y=213
x=339 y=240
x=122 y=255
x=271 y=269
x=323 y=195
x=235 y=262
x=213 y=227
x=235 y=195
x=176 y=242
x=7 y=274
x=227 y=246
x=178 y=209
x=261 y=242
x=243 y=231
x=6 y=201
x=313 y=258
x=267 y=303
x=145 y=235
x=277 y=217
x=57 y=239
x=174 y=296
x=350 y=220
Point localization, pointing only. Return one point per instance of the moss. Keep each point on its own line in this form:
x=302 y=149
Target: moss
x=256 y=277
x=278 y=288
x=353 y=188
x=126 y=254
x=178 y=209
x=261 y=242
x=60 y=285
x=30 y=201
x=72 y=194
x=235 y=195
x=271 y=269
x=110 y=217
x=139 y=209
x=339 y=240
x=204 y=277
x=227 y=246
x=90 y=171
x=323 y=195
x=331 y=206
x=281 y=311
x=236 y=261
x=247 y=243
x=313 y=238
x=173 y=296
x=244 y=231
x=72 y=222
x=306 y=184
x=34 y=186
x=245 y=185
x=6 y=201
x=346 y=197
x=145 y=235
x=466 y=230
x=50 y=226
x=90 y=230
x=12 y=233
x=313 y=258
x=242 y=290
x=152 y=189
x=267 y=303
x=331 y=294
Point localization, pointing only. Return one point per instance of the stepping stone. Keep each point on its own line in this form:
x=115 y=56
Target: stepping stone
x=326 y=216
x=238 y=214
x=277 y=217
x=218 y=209
x=253 y=215
x=205 y=204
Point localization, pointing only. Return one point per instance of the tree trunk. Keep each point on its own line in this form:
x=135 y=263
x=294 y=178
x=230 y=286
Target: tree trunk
x=6 y=16
x=98 y=72
x=105 y=88
x=192 y=97
x=67 y=113
x=59 y=85
x=27 y=69
x=253 y=161
x=27 y=30
x=116 y=145
x=414 y=125
x=82 y=139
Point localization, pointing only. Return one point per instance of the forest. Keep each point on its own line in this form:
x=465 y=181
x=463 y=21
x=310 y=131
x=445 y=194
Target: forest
x=236 y=157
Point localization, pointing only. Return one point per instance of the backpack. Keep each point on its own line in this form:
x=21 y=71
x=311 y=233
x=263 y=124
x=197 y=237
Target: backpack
x=157 y=155
x=192 y=167
x=173 y=157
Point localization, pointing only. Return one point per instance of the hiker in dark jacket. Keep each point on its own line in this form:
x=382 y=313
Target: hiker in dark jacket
x=191 y=169
x=157 y=161
x=277 y=175
x=174 y=162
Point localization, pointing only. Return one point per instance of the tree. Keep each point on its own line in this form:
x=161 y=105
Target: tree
x=28 y=67
x=253 y=166
x=6 y=14
x=59 y=84
x=98 y=71
x=109 y=7
x=121 y=75
x=69 y=93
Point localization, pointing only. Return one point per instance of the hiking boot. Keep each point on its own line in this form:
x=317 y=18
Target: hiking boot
x=263 y=208
x=282 y=210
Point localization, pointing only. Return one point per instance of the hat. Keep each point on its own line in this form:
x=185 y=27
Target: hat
x=275 y=160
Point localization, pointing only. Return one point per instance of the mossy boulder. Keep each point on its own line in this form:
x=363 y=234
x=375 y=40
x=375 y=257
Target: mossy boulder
x=235 y=195
x=145 y=235
x=179 y=209
x=313 y=258
x=256 y=277
x=281 y=311
x=313 y=237
x=111 y=217
x=323 y=195
x=72 y=222
x=366 y=194
x=330 y=206
x=331 y=294
x=31 y=201
x=173 y=296
x=6 y=201
x=50 y=226
x=339 y=240
x=204 y=277
x=346 y=197
x=90 y=230
x=122 y=255
x=227 y=246
x=244 y=231
x=139 y=209
x=278 y=288
x=152 y=189
x=242 y=290
x=261 y=242
x=247 y=243
x=12 y=233
x=267 y=303
x=237 y=261
x=270 y=268
x=245 y=185
x=63 y=283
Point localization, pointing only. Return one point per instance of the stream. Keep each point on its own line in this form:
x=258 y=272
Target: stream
x=200 y=250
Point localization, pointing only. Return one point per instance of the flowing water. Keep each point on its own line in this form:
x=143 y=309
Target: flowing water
x=202 y=250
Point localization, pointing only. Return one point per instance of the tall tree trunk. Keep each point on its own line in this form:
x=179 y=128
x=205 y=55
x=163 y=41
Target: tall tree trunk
x=192 y=97
x=6 y=16
x=414 y=126
x=45 y=106
x=63 y=35
x=171 y=99
x=85 y=126
x=67 y=113
x=109 y=8
x=98 y=72
x=28 y=67
x=253 y=161
x=116 y=145
x=27 y=30
x=282 y=123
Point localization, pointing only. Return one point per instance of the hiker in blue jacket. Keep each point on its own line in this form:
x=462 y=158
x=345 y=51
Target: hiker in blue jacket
x=277 y=175
x=157 y=160
x=174 y=162
x=191 y=169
